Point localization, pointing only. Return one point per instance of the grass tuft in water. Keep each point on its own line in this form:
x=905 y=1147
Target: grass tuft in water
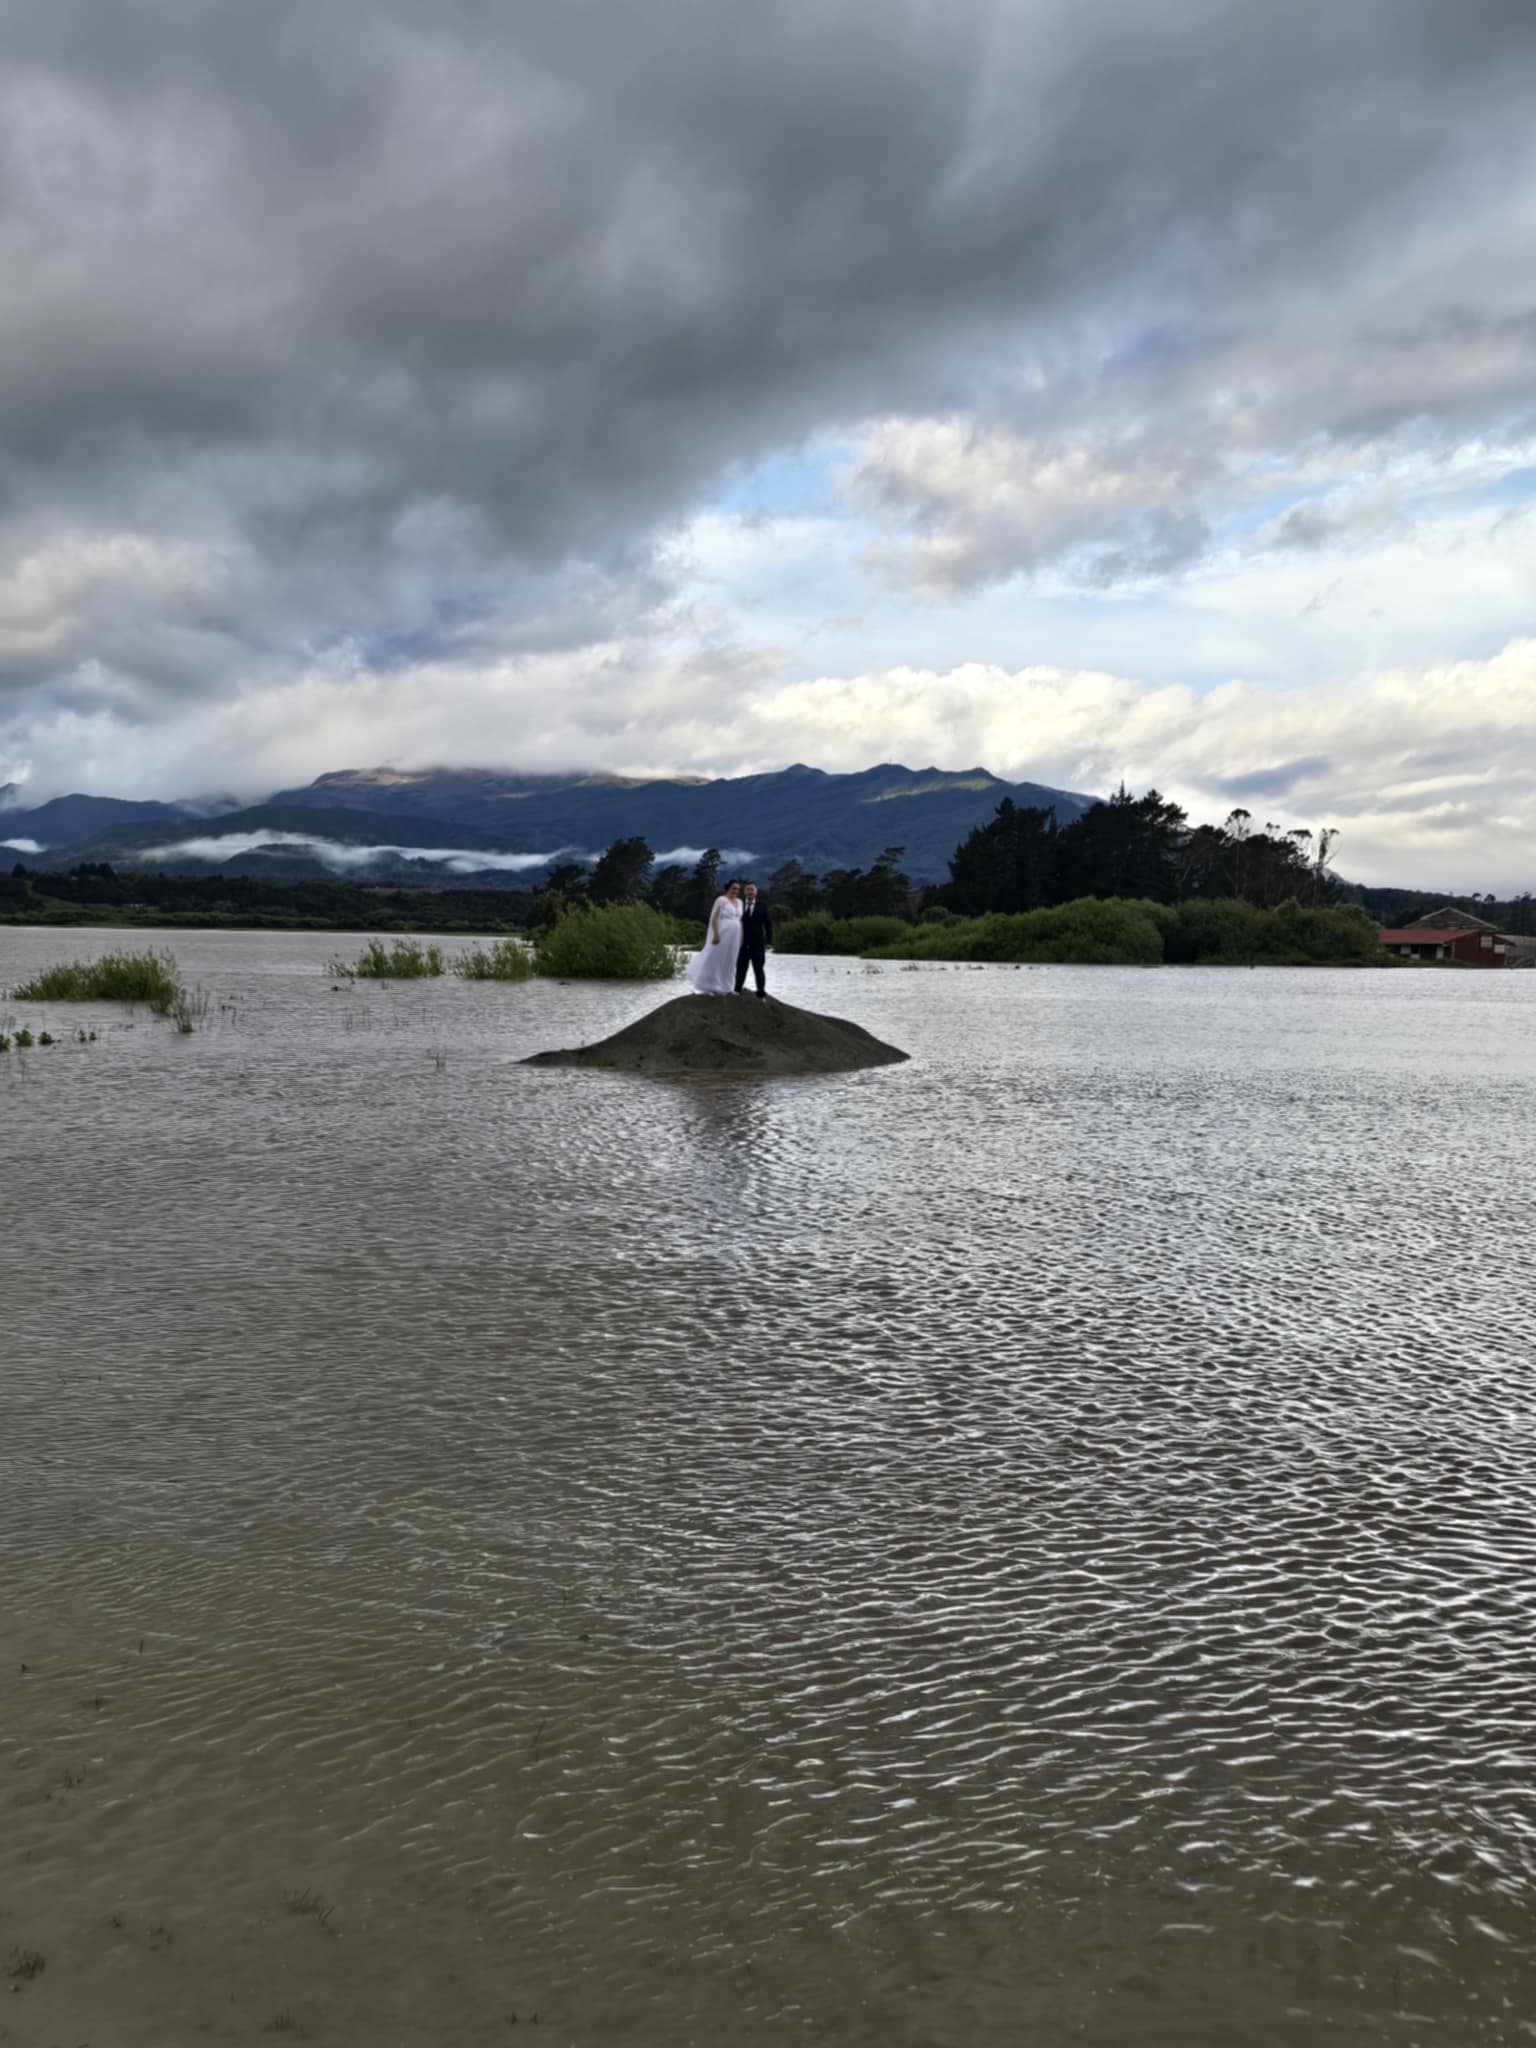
x=400 y=960
x=189 y=1011
x=506 y=960
x=312 y=1903
x=151 y=978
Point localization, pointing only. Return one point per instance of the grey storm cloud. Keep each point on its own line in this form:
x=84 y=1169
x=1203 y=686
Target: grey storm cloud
x=388 y=321
x=1272 y=782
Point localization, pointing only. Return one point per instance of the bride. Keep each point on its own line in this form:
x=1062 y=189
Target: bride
x=713 y=969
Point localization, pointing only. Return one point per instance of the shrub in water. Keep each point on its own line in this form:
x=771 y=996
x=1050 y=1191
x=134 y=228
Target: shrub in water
x=1125 y=931
x=506 y=960
x=613 y=942
x=821 y=933
x=1332 y=935
x=151 y=978
x=400 y=960
x=1091 y=931
x=1221 y=929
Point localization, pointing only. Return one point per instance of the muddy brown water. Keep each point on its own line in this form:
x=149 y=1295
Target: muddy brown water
x=1035 y=1545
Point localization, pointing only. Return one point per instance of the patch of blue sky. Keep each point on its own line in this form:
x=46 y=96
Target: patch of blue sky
x=1241 y=522
x=1013 y=625
x=1420 y=494
x=1514 y=487
x=792 y=483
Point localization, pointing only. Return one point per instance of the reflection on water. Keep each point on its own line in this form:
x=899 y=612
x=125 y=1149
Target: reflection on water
x=1036 y=1544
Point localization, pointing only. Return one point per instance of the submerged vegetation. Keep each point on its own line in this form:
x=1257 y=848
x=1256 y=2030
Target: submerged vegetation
x=608 y=942
x=151 y=978
x=189 y=1010
x=506 y=960
x=400 y=960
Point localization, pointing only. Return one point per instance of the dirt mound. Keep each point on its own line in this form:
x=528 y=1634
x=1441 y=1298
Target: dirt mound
x=730 y=1035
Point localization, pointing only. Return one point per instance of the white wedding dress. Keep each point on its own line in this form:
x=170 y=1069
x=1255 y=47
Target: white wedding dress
x=712 y=970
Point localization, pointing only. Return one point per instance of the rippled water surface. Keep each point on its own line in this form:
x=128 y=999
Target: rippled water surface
x=1036 y=1545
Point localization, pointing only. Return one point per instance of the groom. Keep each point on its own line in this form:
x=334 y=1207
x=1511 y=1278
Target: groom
x=756 y=938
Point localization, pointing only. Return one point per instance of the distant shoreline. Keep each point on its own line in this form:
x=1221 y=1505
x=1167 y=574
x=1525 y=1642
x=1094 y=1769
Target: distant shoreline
x=203 y=921
x=884 y=956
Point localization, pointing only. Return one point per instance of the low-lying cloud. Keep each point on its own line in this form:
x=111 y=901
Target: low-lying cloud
x=346 y=858
x=690 y=856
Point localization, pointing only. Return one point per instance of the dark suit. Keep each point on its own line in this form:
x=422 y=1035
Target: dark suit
x=756 y=938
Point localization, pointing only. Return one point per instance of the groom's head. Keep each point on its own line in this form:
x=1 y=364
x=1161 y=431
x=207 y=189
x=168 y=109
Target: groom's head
x=749 y=890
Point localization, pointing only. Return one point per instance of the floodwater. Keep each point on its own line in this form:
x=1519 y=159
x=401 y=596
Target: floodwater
x=1037 y=1545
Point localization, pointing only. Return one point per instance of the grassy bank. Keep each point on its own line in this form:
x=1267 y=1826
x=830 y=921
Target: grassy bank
x=133 y=901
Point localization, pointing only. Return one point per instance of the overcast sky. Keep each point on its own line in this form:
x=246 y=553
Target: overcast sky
x=1083 y=388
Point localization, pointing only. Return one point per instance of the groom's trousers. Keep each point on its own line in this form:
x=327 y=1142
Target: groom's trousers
x=755 y=960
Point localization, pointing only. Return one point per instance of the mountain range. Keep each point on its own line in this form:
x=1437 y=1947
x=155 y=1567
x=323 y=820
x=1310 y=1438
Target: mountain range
x=458 y=825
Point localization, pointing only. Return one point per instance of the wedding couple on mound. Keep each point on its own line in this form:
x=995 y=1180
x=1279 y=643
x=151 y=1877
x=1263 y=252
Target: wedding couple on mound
x=739 y=936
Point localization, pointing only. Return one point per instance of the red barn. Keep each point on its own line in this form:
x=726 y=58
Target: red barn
x=1474 y=945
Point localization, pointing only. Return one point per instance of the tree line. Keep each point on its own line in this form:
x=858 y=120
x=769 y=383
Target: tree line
x=97 y=893
x=1020 y=859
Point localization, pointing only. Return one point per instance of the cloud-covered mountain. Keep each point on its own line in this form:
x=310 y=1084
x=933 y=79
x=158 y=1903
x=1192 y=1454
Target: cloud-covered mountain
x=64 y=819
x=449 y=824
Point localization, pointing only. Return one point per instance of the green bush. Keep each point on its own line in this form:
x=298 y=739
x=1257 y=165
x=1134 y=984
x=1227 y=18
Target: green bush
x=400 y=960
x=822 y=933
x=816 y=932
x=1330 y=935
x=608 y=942
x=151 y=978
x=1129 y=932
x=1220 y=931
x=1228 y=932
x=1091 y=931
x=506 y=960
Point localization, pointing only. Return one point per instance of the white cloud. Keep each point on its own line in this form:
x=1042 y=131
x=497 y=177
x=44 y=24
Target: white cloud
x=1427 y=770
x=59 y=593
x=1426 y=767
x=973 y=503
x=348 y=858
x=1128 y=496
x=690 y=856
